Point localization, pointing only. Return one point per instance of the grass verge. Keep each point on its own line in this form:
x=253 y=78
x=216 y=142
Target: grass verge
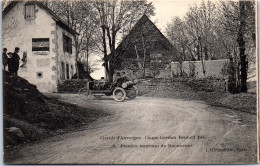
x=30 y=116
x=210 y=91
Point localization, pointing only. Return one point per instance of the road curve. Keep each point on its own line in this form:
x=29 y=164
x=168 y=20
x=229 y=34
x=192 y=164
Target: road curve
x=149 y=130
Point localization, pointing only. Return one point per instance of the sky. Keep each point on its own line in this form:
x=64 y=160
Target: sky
x=165 y=10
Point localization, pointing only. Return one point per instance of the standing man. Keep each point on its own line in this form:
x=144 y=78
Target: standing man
x=5 y=58
x=14 y=61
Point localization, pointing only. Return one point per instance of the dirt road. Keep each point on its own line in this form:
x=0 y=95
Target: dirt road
x=149 y=130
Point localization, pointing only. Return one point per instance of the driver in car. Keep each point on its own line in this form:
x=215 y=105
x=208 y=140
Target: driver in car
x=121 y=78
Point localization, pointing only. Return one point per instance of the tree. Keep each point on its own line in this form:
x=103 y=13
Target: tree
x=8 y=26
x=77 y=14
x=4 y=4
x=194 y=36
x=240 y=22
x=177 y=35
x=114 y=17
x=228 y=32
x=100 y=24
x=200 y=21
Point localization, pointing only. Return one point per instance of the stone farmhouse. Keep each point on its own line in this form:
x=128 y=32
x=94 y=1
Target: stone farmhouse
x=146 y=48
x=46 y=43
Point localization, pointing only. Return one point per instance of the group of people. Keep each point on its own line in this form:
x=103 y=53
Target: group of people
x=11 y=60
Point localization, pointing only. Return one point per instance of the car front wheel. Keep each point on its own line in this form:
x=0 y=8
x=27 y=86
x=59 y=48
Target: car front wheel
x=119 y=94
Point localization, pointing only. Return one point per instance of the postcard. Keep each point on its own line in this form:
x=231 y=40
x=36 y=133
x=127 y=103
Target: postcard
x=130 y=82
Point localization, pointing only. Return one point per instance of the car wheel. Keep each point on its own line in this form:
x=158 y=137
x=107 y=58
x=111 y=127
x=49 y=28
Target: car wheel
x=119 y=94
x=85 y=93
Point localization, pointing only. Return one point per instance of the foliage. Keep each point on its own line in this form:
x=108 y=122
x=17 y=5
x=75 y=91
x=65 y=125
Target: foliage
x=100 y=23
x=194 y=35
x=78 y=15
x=215 y=30
x=115 y=17
x=224 y=70
x=4 y=4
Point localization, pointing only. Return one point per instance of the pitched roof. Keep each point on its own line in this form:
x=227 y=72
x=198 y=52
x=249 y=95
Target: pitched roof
x=54 y=16
x=137 y=26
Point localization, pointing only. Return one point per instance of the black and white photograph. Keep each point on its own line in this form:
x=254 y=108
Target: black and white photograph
x=130 y=82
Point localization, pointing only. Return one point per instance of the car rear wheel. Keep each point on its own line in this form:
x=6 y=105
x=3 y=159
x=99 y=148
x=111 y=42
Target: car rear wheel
x=85 y=93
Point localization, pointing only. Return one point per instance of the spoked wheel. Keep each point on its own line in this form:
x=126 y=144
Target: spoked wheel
x=119 y=94
x=85 y=94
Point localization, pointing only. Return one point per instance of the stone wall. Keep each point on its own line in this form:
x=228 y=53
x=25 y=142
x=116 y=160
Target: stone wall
x=72 y=86
x=213 y=68
x=152 y=73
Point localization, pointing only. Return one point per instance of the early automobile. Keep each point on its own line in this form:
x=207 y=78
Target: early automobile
x=120 y=89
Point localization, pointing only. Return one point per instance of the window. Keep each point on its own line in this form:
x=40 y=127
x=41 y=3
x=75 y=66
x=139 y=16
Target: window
x=155 y=56
x=29 y=11
x=40 y=44
x=155 y=59
x=67 y=44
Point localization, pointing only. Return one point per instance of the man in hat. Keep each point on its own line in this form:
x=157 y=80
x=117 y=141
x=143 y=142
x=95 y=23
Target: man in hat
x=121 y=78
x=14 y=62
